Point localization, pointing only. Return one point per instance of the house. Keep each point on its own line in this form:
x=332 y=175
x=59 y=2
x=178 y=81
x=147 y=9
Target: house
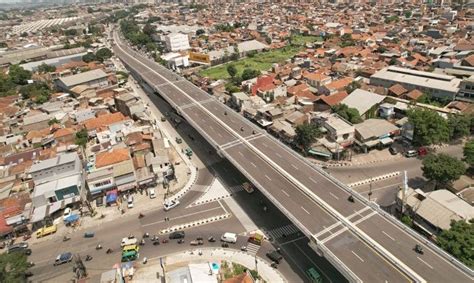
x=238 y=99
x=65 y=135
x=113 y=169
x=375 y=132
x=316 y=79
x=397 y=90
x=433 y=211
x=35 y=122
x=296 y=118
x=100 y=123
x=365 y=102
x=95 y=78
x=413 y=95
x=129 y=105
x=59 y=181
x=283 y=131
x=325 y=102
x=340 y=134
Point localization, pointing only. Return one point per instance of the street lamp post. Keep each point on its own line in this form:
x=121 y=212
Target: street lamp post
x=256 y=264
x=370 y=188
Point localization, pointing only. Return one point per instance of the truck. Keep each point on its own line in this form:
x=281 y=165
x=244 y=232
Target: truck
x=46 y=230
x=256 y=239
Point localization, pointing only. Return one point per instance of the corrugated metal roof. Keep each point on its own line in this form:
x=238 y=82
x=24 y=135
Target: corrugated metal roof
x=83 y=77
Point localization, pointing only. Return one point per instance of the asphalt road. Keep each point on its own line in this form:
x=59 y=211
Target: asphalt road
x=226 y=130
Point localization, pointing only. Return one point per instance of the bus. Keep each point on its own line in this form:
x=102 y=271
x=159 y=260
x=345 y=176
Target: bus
x=129 y=255
x=129 y=248
x=314 y=275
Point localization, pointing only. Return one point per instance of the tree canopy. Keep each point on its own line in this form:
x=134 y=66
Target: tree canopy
x=459 y=241
x=469 y=153
x=81 y=137
x=306 y=134
x=248 y=74
x=89 y=57
x=103 y=54
x=18 y=75
x=350 y=114
x=232 y=70
x=429 y=127
x=459 y=126
x=38 y=91
x=13 y=267
x=45 y=68
x=442 y=168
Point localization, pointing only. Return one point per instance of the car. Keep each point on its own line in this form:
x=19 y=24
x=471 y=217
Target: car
x=67 y=212
x=130 y=202
x=152 y=193
x=163 y=119
x=275 y=256
x=127 y=241
x=177 y=235
x=63 y=258
x=178 y=140
x=411 y=153
x=46 y=230
x=19 y=248
x=393 y=150
x=170 y=204
x=229 y=238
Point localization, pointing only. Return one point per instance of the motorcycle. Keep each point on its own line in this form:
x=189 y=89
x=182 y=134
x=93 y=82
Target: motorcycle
x=142 y=242
x=156 y=243
x=88 y=258
x=109 y=251
x=140 y=215
x=419 y=249
x=31 y=264
x=98 y=247
x=211 y=239
x=26 y=237
x=225 y=245
x=164 y=241
x=274 y=265
x=180 y=241
x=154 y=238
x=146 y=235
x=66 y=238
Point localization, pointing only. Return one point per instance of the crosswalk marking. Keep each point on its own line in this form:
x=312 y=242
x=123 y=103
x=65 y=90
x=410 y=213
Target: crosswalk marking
x=252 y=249
x=284 y=230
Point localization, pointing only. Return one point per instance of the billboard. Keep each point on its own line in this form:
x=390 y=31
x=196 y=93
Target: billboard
x=199 y=57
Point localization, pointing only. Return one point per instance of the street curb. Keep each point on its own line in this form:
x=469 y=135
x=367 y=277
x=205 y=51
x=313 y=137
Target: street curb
x=210 y=200
x=374 y=179
x=195 y=223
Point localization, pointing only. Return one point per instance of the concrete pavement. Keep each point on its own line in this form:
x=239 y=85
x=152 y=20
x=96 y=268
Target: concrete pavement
x=221 y=130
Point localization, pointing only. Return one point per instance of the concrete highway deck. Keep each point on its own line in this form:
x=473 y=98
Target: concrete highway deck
x=256 y=158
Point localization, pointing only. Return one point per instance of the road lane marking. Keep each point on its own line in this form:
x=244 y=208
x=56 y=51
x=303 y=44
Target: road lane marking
x=388 y=235
x=427 y=264
x=277 y=154
x=305 y=210
x=241 y=154
x=294 y=166
x=333 y=195
x=253 y=164
x=358 y=256
x=285 y=193
x=313 y=180
x=268 y=177
x=264 y=144
x=183 y=216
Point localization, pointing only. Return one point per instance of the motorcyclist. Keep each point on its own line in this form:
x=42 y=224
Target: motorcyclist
x=98 y=247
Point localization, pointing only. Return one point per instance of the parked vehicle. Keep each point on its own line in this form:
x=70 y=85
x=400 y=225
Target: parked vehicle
x=411 y=153
x=248 y=187
x=256 y=239
x=393 y=150
x=229 y=238
x=46 y=230
x=19 y=248
x=130 y=202
x=196 y=242
x=89 y=235
x=63 y=258
x=177 y=235
x=275 y=256
x=67 y=212
x=170 y=204
x=178 y=140
x=152 y=193
x=314 y=275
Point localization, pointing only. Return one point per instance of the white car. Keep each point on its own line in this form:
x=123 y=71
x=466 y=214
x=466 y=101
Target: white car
x=130 y=202
x=170 y=204
x=67 y=212
x=151 y=193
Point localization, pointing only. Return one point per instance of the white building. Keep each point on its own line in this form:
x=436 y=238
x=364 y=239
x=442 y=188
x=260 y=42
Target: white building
x=177 y=42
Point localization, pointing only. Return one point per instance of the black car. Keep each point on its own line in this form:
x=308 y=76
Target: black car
x=393 y=150
x=177 y=235
x=275 y=256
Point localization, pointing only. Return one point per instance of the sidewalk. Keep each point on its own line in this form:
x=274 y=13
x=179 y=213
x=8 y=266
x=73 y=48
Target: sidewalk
x=148 y=272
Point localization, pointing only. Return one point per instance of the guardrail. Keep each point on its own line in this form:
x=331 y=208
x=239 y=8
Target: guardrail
x=330 y=178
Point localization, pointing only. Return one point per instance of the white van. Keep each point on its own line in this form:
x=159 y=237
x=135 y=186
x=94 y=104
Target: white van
x=130 y=202
x=229 y=238
x=151 y=193
x=128 y=241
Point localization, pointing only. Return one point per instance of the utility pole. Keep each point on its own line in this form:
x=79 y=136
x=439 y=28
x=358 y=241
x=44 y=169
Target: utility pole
x=79 y=268
x=370 y=188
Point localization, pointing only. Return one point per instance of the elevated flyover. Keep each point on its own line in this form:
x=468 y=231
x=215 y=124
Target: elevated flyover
x=363 y=242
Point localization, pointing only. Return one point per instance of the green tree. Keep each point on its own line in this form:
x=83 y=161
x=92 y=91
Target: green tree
x=406 y=219
x=53 y=121
x=7 y=87
x=469 y=153
x=149 y=29
x=18 y=75
x=24 y=34
x=352 y=86
x=70 y=32
x=408 y=14
x=231 y=70
x=268 y=39
x=459 y=241
x=306 y=135
x=45 y=68
x=89 y=57
x=103 y=54
x=36 y=91
x=459 y=126
x=350 y=114
x=442 y=168
x=81 y=138
x=90 y=10
x=200 y=31
x=248 y=74
x=429 y=126
x=13 y=267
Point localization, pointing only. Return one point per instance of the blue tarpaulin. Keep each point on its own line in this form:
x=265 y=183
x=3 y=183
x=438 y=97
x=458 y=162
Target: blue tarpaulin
x=111 y=196
x=71 y=218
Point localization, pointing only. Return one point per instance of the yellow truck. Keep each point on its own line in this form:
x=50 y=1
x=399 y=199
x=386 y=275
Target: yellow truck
x=46 y=230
